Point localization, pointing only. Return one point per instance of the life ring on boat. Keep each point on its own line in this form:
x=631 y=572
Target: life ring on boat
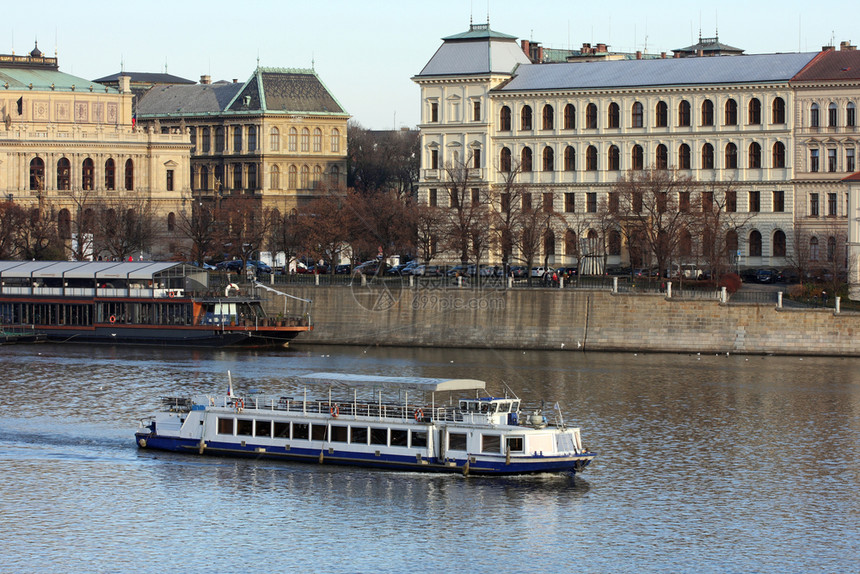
x=334 y=410
x=112 y=319
x=233 y=287
x=419 y=415
x=171 y=294
x=240 y=405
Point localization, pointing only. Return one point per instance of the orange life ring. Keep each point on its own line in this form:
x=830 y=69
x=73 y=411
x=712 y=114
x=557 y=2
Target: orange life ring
x=112 y=319
x=240 y=405
x=334 y=410
x=170 y=294
x=419 y=415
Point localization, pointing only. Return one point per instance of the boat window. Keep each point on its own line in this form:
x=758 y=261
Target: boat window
x=504 y=407
x=514 y=443
x=338 y=433
x=491 y=443
x=359 y=435
x=244 y=427
x=419 y=439
x=515 y=406
x=225 y=426
x=378 y=436
x=300 y=431
x=399 y=437
x=318 y=432
x=485 y=408
x=282 y=430
x=456 y=441
x=264 y=428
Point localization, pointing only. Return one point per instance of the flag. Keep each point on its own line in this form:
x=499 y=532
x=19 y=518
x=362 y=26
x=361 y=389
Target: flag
x=21 y=105
x=133 y=119
x=556 y=407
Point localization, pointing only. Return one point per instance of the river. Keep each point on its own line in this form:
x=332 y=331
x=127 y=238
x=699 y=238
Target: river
x=708 y=463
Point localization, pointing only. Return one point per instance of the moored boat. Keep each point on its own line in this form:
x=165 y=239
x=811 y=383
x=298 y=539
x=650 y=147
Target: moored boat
x=140 y=303
x=479 y=435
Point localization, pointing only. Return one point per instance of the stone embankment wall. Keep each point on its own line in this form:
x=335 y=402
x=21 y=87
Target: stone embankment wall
x=566 y=320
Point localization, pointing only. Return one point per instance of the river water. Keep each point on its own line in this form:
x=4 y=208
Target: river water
x=707 y=463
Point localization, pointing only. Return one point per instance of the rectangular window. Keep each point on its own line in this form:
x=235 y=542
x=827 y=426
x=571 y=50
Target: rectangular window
x=731 y=201
x=419 y=438
x=684 y=201
x=244 y=427
x=849 y=160
x=169 y=180
x=456 y=441
x=755 y=201
x=491 y=443
x=778 y=201
x=506 y=202
x=707 y=201
x=359 y=435
x=301 y=431
x=225 y=426
x=527 y=202
x=318 y=431
x=476 y=196
x=379 y=436
x=453 y=199
x=434 y=159
x=831 y=160
x=591 y=202
x=434 y=112
x=399 y=437
x=338 y=433
x=282 y=430
x=476 y=159
x=613 y=202
x=431 y=197
x=514 y=444
x=476 y=111
x=569 y=202
x=263 y=428
x=813 y=160
x=813 y=205
x=548 y=202
x=831 y=204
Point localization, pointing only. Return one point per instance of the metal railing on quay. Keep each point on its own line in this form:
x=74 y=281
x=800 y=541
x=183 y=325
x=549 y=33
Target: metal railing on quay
x=757 y=297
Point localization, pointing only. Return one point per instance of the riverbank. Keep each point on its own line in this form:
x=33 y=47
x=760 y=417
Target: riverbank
x=568 y=320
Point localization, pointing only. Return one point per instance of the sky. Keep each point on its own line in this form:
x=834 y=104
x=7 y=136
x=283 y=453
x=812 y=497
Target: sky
x=367 y=51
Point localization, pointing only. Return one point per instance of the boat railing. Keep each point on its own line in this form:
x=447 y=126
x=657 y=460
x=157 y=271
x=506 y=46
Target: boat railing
x=79 y=291
x=110 y=292
x=54 y=291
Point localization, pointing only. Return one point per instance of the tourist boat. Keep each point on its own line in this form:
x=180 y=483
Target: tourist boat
x=150 y=303
x=480 y=435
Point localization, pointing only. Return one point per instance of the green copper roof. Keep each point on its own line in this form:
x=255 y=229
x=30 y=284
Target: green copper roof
x=44 y=80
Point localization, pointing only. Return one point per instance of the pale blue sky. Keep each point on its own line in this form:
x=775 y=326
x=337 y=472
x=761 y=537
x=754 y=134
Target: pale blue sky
x=367 y=51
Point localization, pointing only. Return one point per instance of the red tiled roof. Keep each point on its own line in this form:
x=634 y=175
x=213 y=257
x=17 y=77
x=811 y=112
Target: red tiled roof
x=853 y=177
x=831 y=65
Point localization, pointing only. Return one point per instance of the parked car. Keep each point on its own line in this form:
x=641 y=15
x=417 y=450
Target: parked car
x=343 y=269
x=518 y=272
x=367 y=268
x=765 y=276
x=458 y=270
x=429 y=271
x=540 y=271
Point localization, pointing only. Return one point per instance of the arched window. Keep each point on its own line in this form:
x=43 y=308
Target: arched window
x=731 y=118
x=64 y=224
x=778 y=243
x=219 y=139
x=88 y=175
x=591 y=158
x=779 y=154
x=64 y=174
x=638 y=115
x=129 y=175
x=237 y=176
x=548 y=117
x=831 y=248
x=204 y=178
x=813 y=249
x=275 y=177
x=505 y=160
x=778 y=111
x=549 y=242
x=37 y=174
x=237 y=138
x=171 y=221
x=685 y=243
x=570 y=244
x=569 y=159
x=707 y=113
x=569 y=117
x=317 y=140
x=614 y=158
x=850 y=115
x=684 y=156
x=291 y=177
x=813 y=116
x=305 y=142
x=317 y=177
x=292 y=139
x=335 y=140
x=526 y=159
x=684 y=113
x=754 y=156
x=548 y=159
x=755 y=243
x=637 y=157
x=206 y=140
x=334 y=176
x=661 y=117
x=754 y=115
x=526 y=118
x=732 y=241
x=304 y=175
x=505 y=119
x=614 y=117
x=662 y=157
x=252 y=138
x=591 y=117
x=110 y=175
x=832 y=116
x=731 y=156
x=614 y=242
x=275 y=139
x=707 y=156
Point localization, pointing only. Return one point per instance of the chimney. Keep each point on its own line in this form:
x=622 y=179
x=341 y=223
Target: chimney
x=235 y=80
x=601 y=48
x=828 y=48
x=663 y=55
x=124 y=84
x=205 y=79
x=540 y=54
x=524 y=44
x=846 y=46
x=700 y=52
x=638 y=54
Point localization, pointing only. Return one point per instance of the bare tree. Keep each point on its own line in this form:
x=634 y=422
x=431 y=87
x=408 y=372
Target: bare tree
x=243 y=226
x=468 y=216
x=720 y=225
x=82 y=223
x=428 y=223
x=285 y=234
x=37 y=238
x=200 y=226
x=124 y=226
x=13 y=219
x=381 y=222
x=325 y=226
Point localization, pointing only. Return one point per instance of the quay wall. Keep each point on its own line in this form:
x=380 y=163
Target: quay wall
x=567 y=319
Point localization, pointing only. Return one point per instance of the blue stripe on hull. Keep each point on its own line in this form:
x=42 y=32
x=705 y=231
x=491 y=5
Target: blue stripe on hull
x=367 y=460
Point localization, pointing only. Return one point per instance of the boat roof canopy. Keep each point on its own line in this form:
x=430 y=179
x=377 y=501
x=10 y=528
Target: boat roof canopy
x=420 y=383
x=94 y=269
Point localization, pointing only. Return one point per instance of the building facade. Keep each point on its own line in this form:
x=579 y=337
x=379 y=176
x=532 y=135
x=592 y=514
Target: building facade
x=68 y=145
x=573 y=129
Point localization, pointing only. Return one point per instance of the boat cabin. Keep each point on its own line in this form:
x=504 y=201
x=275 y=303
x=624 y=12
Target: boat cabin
x=497 y=410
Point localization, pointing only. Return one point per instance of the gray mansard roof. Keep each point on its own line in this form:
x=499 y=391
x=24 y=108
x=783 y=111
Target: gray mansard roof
x=179 y=100
x=758 y=68
x=478 y=51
